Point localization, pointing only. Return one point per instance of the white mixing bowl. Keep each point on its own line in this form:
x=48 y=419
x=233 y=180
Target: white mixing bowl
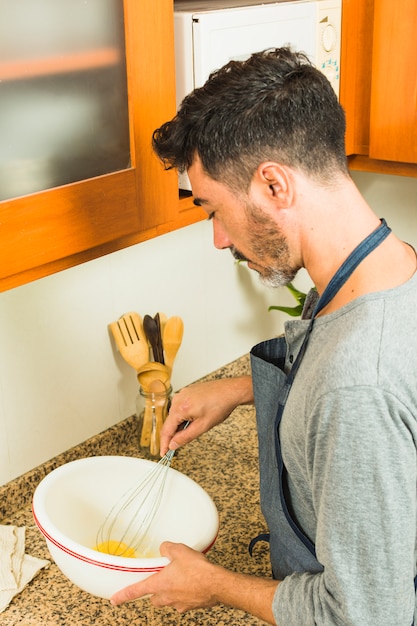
x=72 y=501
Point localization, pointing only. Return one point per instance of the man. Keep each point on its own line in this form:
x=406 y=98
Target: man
x=336 y=400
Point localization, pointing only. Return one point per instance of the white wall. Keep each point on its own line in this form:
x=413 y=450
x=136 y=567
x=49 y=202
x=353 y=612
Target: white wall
x=61 y=380
x=392 y=197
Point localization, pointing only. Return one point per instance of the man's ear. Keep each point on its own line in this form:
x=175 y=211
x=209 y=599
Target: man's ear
x=273 y=182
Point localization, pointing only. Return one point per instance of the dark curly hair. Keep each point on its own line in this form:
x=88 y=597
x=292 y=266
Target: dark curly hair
x=274 y=106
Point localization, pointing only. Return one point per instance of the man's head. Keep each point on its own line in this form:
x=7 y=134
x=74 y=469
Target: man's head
x=273 y=106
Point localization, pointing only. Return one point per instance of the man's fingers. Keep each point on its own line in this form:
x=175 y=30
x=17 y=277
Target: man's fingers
x=141 y=589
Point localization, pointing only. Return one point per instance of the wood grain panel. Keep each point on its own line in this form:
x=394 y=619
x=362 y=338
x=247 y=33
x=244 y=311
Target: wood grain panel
x=57 y=223
x=355 y=72
x=151 y=79
x=394 y=82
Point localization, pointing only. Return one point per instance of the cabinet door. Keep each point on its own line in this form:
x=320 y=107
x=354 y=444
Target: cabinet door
x=355 y=74
x=394 y=82
x=57 y=222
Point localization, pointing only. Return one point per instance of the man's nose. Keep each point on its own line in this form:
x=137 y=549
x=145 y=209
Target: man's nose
x=220 y=237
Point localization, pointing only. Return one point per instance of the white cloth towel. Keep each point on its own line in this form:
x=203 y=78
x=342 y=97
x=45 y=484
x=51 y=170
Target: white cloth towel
x=16 y=567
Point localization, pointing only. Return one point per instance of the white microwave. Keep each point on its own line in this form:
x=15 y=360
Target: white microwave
x=210 y=33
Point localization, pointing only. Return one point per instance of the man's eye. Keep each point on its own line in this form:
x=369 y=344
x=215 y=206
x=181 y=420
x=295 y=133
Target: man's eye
x=210 y=216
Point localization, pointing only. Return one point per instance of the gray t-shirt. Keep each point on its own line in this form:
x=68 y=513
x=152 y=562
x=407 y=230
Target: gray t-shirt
x=348 y=436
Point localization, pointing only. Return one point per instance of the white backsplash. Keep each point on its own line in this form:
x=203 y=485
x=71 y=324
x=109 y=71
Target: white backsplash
x=61 y=379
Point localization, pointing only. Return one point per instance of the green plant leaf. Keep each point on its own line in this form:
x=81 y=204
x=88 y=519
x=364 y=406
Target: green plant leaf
x=300 y=296
x=294 y=311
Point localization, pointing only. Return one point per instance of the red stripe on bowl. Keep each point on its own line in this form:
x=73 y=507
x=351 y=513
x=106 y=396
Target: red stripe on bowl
x=80 y=557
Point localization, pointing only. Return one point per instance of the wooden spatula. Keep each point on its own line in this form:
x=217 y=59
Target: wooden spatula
x=172 y=338
x=130 y=339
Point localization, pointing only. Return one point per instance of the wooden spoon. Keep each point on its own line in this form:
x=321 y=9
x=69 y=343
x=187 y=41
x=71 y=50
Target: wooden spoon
x=162 y=321
x=145 y=436
x=157 y=387
x=150 y=326
x=172 y=338
x=153 y=371
x=159 y=338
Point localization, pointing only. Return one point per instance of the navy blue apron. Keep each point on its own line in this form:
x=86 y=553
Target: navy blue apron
x=291 y=549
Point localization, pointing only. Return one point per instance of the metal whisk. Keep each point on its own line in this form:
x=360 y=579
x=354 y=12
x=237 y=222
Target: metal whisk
x=125 y=529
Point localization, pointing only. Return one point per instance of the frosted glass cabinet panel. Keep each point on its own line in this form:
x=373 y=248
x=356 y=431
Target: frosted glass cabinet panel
x=63 y=93
x=83 y=85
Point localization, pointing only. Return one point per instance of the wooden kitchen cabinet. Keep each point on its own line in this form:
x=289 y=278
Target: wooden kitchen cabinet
x=47 y=231
x=356 y=63
x=393 y=131
x=379 y=85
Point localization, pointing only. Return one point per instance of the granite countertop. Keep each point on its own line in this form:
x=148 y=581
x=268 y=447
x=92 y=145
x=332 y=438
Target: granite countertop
x=224 y=462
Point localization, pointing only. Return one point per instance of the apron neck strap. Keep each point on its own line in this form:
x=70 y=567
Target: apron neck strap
x=361 y=251
x=354 y=259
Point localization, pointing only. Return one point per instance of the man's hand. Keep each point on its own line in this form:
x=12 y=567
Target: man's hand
x=205 y=405
x=190 y=581
x=183 y=584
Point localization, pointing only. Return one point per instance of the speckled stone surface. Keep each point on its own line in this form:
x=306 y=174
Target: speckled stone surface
x=224 y=462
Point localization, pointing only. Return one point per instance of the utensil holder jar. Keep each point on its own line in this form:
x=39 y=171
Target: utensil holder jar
x=151 y=409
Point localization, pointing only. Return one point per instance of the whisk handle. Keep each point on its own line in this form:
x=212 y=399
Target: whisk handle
x=169 y=455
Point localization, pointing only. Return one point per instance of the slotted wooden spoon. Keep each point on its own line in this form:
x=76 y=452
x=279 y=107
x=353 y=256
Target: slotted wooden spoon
x=131 y=340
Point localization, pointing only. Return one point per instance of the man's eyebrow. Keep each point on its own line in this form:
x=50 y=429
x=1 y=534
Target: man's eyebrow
x=199 y=201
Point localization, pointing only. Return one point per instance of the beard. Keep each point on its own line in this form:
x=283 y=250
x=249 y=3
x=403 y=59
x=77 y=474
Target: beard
x=267 y=242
